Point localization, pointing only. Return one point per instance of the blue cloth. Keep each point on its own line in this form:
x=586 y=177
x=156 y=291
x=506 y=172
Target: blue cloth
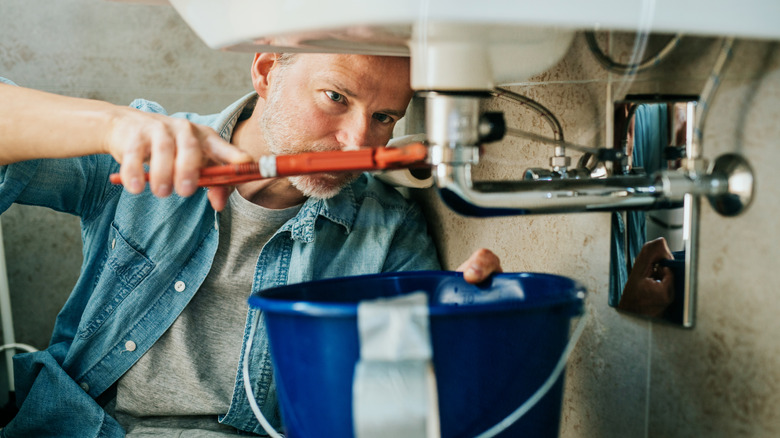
x=651 y=136
x=145 y=257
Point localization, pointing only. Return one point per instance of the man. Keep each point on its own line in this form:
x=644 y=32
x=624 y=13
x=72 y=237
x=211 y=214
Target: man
x=135 y=342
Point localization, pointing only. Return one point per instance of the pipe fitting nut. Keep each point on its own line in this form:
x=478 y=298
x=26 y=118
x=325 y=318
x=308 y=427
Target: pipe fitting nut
x=675 y=185
x=557 y=162
x=453 y=155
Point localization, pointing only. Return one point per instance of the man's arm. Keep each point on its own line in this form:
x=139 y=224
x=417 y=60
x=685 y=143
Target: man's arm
x=36 y=124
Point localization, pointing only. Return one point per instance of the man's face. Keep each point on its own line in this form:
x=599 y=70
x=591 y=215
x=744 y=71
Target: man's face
x=333 y=102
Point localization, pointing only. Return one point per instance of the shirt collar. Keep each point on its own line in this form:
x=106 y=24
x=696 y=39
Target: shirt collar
x=226 y=121
x=340 y=209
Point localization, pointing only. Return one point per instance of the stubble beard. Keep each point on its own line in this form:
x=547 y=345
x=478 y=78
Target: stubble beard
x=275 y=124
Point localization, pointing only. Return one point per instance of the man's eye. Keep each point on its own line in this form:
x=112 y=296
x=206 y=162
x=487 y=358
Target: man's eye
x=383 y=118
x=336 y=97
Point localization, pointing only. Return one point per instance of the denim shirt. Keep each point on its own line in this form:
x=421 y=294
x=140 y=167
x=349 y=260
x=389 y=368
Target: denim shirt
x=145 y=257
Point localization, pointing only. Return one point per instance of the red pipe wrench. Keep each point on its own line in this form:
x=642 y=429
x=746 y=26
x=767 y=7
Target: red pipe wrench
x=272 y=166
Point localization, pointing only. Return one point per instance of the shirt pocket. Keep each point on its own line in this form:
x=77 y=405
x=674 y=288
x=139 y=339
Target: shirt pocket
x=124 y=269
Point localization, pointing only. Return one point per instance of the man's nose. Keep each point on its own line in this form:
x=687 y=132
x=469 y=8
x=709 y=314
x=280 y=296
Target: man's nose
x=355 y=132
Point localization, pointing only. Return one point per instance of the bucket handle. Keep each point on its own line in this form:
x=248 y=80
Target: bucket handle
x=542 y=391
x=493 y=431
x=248 y=387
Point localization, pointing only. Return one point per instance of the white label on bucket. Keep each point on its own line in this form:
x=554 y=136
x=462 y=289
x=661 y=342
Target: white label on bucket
x=394 y=388
x=395 y=329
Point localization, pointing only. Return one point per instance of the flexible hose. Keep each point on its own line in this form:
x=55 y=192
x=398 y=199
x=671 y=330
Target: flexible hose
x=540 y=109
x=711 y=87
x=630 y=68
x=646 y=14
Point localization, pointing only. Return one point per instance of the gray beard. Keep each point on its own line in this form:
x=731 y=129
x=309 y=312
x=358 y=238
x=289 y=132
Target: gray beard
x=283 y=142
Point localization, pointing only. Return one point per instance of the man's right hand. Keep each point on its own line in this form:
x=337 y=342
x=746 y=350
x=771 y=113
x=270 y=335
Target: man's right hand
x=175 y=149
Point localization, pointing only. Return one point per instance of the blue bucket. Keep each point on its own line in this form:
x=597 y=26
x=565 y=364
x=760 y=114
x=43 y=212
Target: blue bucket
x=494 y=345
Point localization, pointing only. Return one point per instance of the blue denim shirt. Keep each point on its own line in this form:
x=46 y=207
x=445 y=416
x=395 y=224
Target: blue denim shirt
x=145 y=257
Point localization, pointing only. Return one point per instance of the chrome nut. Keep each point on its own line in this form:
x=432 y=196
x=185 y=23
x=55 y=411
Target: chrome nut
x=556 y=162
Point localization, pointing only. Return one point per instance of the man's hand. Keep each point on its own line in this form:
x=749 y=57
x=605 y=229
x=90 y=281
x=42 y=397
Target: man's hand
x=35 y=124
x=480 y=266
x=175 y=149
x=649 y=289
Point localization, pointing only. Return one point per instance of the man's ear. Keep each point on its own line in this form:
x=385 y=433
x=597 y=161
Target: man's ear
x=261 y=67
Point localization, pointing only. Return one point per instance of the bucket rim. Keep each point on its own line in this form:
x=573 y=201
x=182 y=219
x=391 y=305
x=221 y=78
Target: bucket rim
x=570 y=298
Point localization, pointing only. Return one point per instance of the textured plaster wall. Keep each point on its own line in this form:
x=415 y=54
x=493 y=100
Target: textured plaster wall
x=723 y=379
x=628 y=377
x=101 y=50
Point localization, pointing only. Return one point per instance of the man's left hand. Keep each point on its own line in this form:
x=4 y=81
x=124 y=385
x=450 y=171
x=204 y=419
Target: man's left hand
x=480 y=266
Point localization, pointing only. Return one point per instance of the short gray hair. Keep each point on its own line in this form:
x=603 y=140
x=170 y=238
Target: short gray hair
x=285 y=59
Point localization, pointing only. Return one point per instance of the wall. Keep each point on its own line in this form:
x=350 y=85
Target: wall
x=100 y=50
x=628 y=377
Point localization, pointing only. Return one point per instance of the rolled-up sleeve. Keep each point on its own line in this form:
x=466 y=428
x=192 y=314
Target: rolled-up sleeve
x=77 y=186
x=71 y=185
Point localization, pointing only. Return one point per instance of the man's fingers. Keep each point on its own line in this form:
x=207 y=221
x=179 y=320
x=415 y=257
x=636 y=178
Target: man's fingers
x=667 y=283
x=160 y=164
x=132 y=170
x=189 y=159
x=659 y=249
x=218 y=197
x=220 y=151
x=480 y=266
x=651 y=253
x=176 y=150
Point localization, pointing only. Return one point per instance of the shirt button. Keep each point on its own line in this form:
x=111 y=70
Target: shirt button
x=84 y=386
x=179 y=286
x=130 y=346
x=113 y=244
